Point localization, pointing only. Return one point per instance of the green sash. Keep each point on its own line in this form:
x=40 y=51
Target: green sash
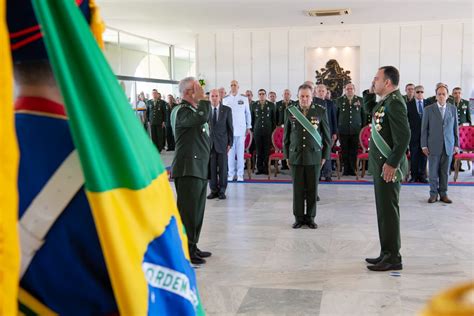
x=384 y=149
x=313 y=131
x=174 y=114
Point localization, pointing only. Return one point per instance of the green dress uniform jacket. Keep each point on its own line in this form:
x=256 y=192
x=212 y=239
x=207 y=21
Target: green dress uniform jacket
x=190 y=167
x=351 y=116
x=263 y=117
x=304 y=156
x=395 y=130
x=281 y=107
x=464 y=112
x=156 y=116
x=299 y=146
x=193 y=144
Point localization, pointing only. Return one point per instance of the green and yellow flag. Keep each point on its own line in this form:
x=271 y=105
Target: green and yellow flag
x=9 y=242
x=138 y=224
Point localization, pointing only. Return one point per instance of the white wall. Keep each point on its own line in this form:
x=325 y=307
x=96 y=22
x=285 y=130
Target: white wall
x=274 y=59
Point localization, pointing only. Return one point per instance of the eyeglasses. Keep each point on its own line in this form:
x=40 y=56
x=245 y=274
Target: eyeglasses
x=420 y=92
x=261 y=93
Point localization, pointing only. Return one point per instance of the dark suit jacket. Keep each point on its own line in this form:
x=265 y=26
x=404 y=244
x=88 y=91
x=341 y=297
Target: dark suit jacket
x=331 y=112
x=222 y=135
x=415 y=120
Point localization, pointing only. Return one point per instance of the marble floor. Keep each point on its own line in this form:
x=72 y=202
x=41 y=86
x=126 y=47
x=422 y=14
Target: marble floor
x=261 y=266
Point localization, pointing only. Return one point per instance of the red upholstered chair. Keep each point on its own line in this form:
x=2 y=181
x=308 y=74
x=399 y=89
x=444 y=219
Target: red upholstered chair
x=466 y=144
x=364 y=139
x=277 y=140
x=247 y=155
x=336 y=155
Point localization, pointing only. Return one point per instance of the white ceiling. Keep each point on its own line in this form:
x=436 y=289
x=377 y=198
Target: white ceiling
x=177 y=22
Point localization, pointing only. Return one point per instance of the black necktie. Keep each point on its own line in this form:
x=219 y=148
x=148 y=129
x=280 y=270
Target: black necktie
x=214 y=117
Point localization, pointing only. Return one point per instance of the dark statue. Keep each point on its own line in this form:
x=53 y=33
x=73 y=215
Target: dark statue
x=334 y=77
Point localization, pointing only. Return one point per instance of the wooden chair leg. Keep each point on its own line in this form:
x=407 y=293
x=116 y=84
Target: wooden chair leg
x=276 y=167
x=357 y=169
x=456 y=169
x=338 y=169
x=249 y=165
x=269 y=168
x=363 y=168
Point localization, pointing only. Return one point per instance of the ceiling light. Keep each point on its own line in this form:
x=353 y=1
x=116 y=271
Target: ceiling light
x=331 y=12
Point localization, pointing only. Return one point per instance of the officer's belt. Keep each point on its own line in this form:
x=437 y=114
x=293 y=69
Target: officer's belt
x=174 y=114
x=313 y=131
x=384 y=149
x=47 y=206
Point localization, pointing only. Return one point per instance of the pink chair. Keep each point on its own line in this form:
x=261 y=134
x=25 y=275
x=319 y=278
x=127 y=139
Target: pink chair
x=277 y=139
x=247 y=155
x=364 y=139
x=466 y=144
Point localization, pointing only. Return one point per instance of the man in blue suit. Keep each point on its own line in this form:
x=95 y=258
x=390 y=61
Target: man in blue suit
x=439 y=140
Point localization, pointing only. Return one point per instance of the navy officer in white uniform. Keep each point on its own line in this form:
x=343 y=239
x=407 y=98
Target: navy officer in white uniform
x=242 y=122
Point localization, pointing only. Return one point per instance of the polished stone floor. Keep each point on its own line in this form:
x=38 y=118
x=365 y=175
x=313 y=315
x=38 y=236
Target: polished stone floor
x=261 y=266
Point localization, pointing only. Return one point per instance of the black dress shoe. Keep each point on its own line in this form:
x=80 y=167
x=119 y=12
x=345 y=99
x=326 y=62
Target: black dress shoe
x=284 y=168
x=311 y=224
x=203 y=254
x=212 y=195
x=222 y=196
x=412 y=180
x=385 y=266
x=259 y=172
x=197 y=260
x=297 y=225
x=328 y=179
x=422 y=180
x=373 y=260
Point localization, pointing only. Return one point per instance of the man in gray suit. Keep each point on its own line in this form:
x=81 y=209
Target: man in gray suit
x=222 y=137
x=439 y=139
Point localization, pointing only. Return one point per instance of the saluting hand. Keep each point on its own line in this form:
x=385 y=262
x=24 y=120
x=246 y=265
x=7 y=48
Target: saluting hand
x=198 y=92
x=426 y=151
x=388 y=172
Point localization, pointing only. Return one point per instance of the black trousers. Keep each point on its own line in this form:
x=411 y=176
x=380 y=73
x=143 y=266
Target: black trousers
x=417 y=162
x=349 y=146
x=158 y=136
x=169 y=138
x=218 y=182
x=262 y=143
x=191 y=201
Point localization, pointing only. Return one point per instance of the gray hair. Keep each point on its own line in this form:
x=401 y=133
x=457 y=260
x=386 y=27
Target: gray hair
x=184 y=84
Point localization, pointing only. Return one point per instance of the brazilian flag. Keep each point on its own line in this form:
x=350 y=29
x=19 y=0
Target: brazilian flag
x=138 y=224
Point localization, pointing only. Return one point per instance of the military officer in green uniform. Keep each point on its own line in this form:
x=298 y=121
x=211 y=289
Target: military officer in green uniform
x=281 y=107
x=409 y=92
x=351 y=118
x=462 y=106
x=156 y=116
x=263 y=124
x=306 y=145
x=191 y=161
x=387 y=162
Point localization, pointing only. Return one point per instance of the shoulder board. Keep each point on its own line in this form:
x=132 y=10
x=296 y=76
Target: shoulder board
x=312 y=106
x=243 y=95
x=226 y=96
x=319 y=105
